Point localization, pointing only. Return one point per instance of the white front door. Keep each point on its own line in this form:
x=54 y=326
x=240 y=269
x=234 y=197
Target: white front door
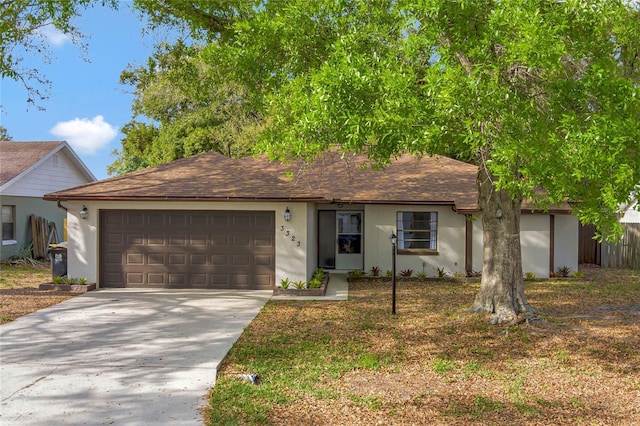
x=340 y=240
x=349 y=253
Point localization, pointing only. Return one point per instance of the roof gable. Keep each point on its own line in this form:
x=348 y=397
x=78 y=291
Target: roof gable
x=212 y=176
x=20 y=159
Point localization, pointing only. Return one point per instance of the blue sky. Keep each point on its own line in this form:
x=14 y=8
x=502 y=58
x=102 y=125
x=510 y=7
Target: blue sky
x=87 y=106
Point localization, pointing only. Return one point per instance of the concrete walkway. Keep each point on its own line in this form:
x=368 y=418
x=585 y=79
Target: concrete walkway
x=123 y=357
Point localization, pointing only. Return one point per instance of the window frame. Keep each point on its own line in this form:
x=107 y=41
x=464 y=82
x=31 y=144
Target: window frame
x=13 y=222
x=433 y=233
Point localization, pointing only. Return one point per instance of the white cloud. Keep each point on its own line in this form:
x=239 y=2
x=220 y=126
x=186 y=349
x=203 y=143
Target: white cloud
x=54 y=36
x=86 y=136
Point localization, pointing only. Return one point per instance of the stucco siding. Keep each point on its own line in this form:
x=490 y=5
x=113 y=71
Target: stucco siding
x=535 y=242
x=24 y=208
x=312 y=239
x=54 y=174
x=380 y=222
x=566 y=242
x=291 y=257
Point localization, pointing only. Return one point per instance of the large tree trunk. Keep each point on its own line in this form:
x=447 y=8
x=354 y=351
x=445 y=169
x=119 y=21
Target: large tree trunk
x=501 y=290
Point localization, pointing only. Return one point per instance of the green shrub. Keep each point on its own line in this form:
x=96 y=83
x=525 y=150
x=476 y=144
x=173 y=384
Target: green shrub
x=406 y=273
x=442 y=273
x=529 y=276
x=319 y=274
x=299 y=285
x=315 y=283
x=564 y=271
x=356 y=273
x=422 y=275
x=284 y=283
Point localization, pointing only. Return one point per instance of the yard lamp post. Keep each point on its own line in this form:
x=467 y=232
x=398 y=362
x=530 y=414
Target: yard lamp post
x=394 y=239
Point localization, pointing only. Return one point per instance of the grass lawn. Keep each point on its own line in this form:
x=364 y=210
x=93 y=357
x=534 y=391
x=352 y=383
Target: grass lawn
x=19 y=294
x=352 y=363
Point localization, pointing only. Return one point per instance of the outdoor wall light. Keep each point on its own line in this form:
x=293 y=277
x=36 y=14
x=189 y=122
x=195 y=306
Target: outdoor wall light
x=84 y=213
x=287 y=215
x=393 y=239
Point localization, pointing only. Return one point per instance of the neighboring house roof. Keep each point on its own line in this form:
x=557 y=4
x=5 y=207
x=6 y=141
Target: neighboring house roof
x=212 y=176
x=20 y=158
x=631 y=212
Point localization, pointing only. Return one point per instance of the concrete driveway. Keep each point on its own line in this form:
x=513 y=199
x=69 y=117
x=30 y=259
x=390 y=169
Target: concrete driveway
x=123 y=357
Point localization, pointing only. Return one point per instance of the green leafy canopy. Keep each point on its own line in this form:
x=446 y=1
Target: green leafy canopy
x=543 y=94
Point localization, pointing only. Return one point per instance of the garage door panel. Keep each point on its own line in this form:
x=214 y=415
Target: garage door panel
x=134 y=278
x=177 y=240
x=220 y=280
x=135 y=239
x=197 y=220
x=178 y=259
x=262 y=241
x=197 y=240
x=241 y=240
x=179 y=220
x=177 y=279
x=198 y=280
x=156 y=219
x=134 y=258
x=263 y=260
x=133 y=219
x=219 y=240
x=241 y=260
x=241 y=281
x=241 y=221
x=114 y=219
x=192 y=249
x=115 y=238
x=263 y=222
x=113 y=258
x=218 y=221
x=155 y=259
x=220 y=259
x=156 y=239
x=264 y=280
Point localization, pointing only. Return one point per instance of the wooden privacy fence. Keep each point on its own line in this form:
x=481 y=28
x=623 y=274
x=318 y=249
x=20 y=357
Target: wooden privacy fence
x=627 y=253
x=589 y=250
x=43 y=233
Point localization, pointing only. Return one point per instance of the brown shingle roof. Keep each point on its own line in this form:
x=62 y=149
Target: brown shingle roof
x=211 y=176
x=16 y=157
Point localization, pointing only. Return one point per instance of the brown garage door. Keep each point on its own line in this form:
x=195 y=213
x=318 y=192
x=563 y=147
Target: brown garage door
x=187 y=249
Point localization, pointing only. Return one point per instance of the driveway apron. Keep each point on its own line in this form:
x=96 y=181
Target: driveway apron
x=123 y=357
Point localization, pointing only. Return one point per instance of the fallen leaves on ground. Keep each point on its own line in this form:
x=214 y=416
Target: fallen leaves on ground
x=19 y=293
x=436 y=363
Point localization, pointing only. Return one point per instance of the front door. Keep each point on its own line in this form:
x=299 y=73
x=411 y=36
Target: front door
x=340 y=240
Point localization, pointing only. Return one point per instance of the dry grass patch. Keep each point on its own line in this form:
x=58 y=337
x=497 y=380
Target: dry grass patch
x=19 y=294
x=336 y=363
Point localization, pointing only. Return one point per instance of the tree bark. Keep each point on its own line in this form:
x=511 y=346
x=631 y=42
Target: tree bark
x=502 y=287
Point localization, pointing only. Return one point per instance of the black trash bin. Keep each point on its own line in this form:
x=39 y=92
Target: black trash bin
x=58 y=260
